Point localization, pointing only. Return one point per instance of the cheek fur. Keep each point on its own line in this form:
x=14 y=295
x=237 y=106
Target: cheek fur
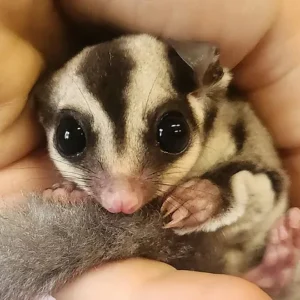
x=180 y=169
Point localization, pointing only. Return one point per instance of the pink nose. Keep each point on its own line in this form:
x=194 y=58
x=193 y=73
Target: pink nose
x=122 y=196
x=122 y=201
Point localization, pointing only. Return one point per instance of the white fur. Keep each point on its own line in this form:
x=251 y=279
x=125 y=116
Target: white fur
x=246 y=188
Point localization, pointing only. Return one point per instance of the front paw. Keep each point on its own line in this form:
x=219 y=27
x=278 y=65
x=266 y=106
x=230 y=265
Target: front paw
x=277 y=270
x=191 y=204
x=64 y=192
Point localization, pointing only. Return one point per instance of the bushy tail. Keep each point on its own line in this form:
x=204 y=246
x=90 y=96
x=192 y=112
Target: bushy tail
x=43 y=245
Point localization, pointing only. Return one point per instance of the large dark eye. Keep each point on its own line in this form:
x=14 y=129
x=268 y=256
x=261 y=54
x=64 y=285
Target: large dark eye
x=173 y=133
x=70 y=137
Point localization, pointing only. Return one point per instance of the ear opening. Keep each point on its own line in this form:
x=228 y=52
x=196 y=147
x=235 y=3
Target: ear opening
x=183 y=76
x=202 y=58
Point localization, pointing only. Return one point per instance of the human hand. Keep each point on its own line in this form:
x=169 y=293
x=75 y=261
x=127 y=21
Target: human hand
x=26 y=28
x=149 y=280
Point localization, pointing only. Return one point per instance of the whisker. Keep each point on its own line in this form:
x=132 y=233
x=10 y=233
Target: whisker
x=148 y=98
x=83 y=96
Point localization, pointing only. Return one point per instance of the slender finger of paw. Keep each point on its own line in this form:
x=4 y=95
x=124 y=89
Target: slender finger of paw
x=174 y=224
x=277 y=232
x=271 y=256
x=196 y=205
x=285 y=276
x=294 y=218
x=180 y=214
x=256 y=273
x=296 y=240
x=274 y=236
x=69 y=187
x=78 y=195
x=284 y=252
x=55 y=186
x=293 y=223
x=283 y=233
x=169 y=206
x=47 y=194
x=196 y=219
x=267 y=281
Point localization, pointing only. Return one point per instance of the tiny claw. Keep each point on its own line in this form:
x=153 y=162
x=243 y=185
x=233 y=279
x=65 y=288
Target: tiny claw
x=177 y=221
x=169 y=207
x=180 y=214
x=167 y=213
x=173 y=224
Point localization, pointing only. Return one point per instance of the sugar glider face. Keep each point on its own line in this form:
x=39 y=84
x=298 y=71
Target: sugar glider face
x=119 y=123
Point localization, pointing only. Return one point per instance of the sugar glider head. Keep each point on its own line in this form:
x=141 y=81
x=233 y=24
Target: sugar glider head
x=121 y=121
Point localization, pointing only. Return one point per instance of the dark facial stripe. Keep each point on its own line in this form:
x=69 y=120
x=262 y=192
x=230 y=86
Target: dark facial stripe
x=41 y=98
x=106 y=71
x=239 y=134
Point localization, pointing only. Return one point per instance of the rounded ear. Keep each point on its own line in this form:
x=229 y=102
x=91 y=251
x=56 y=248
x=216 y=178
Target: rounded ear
x=203 y=58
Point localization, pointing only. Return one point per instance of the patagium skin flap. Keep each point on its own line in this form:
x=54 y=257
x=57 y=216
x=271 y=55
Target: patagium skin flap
x=128 y=121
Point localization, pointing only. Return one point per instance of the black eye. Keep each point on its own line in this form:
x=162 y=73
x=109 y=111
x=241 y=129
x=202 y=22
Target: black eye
x=173 y=133
x=70 y=137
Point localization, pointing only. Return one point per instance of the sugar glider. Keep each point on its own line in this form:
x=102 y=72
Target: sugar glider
x=161 y=160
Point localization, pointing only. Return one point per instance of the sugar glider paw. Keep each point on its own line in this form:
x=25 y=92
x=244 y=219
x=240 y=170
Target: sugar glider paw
x=281 y=257
x=191 y=204
x=65 y=192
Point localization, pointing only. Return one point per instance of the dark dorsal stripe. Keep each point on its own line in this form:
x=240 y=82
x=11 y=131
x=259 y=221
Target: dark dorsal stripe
x=277 y=181
x=211 y=112
x=234 y=94
x=239 y=134
x=106 y=72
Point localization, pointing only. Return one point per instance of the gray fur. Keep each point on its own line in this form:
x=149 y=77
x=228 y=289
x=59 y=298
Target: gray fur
x=44 y=245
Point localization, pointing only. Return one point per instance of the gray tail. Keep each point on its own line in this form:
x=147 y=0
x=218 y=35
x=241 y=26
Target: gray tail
x=45 y=245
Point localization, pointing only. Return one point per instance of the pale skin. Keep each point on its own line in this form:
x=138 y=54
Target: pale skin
x=264 y=53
